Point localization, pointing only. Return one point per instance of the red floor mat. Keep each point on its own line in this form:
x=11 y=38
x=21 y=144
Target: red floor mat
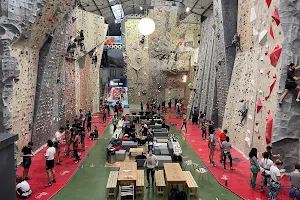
x=63 y=173
x=239 y=179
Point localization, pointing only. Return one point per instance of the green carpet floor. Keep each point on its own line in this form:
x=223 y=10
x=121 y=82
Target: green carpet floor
x=89 y=182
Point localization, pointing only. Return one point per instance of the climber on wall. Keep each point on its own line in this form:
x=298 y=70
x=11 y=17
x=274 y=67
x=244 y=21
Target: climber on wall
x=236 y=41
x=243 y=110
x=290 y=83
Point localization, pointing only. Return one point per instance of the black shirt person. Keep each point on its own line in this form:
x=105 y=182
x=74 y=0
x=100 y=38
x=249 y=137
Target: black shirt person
x=27 y=154
x=290 y=82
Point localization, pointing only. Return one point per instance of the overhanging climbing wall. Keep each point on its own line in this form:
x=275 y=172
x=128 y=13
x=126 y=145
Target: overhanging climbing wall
x=254 y=77
x=286 y=135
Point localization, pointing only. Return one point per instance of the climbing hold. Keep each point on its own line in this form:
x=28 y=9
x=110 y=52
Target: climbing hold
x=271 y=89
x=262 y=37
x=258 y=105
x=275 y=76
x=275 y=55
x=268 y=72
x=269 y=126
x=271 y=32
x=275 y=16
x=268 y=3
x=252 y=15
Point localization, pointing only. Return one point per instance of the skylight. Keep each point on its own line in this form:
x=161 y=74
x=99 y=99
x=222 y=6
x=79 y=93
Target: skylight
x=118 y=11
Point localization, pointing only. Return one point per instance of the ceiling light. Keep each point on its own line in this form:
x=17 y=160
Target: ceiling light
x=141 y=8
x=187 y=9
x=146 y=26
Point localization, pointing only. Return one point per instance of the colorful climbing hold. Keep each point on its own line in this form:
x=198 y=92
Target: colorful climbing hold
x=275 y=16
x=275 y=55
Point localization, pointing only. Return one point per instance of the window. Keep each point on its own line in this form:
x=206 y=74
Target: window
x=113 y=73
x=118 y=11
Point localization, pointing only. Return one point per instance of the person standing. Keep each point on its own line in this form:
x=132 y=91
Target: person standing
x=226 y=146
x=203 y=127
x=265 y=165
x=150 y=163
x=271 y=155
x=142 y=107
x=195 y=115
x=27 y=154
x=148 y=106
x=75 y=145
x=57 y=144
x=276 y=177
x=82 y=137
x=222 y=138
x=89 y=122
x=116 y=109
x=49 y=155
x=184 y=121
x=68 y=138
x=212 y=148
x=295 y=184
x=115 y=122
x=104 y=116
x=254 y=167
x=81 y=117
x=170 y=103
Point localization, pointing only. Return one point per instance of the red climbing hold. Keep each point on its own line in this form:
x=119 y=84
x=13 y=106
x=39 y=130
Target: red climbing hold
x=275 y=76
x=258 y=105
x=268 y=72
x=271 y=32
x=269 y=126
x=268 y=3
x=271 y=89
x=256 y=123
x=275 y=16
x=275 y=55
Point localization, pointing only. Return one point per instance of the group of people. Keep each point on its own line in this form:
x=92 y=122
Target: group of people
x=75 y=42
x=71 y=137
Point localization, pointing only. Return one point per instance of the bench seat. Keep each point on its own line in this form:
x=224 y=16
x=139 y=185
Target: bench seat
x=191 y=183
x=160 y=182
x=111 y=186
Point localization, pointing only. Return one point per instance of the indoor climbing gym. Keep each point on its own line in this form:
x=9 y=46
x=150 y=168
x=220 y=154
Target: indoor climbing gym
x=150 y=99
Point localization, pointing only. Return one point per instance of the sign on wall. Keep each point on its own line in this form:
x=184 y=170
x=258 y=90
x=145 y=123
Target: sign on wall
x=118 y=82
x=113 y=40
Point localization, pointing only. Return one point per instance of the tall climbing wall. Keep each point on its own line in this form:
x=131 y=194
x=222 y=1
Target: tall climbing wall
x=210 y=84
x=285 y=138
x=164 y=57
x=254 y=76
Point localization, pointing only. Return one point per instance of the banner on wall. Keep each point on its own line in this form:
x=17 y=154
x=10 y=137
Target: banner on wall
x=113 y=40
x=117 y=93
x=117 y=82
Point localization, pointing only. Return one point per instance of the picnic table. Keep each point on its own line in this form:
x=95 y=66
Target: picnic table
x=136 y=151
x=127 y=173
x=174 y=175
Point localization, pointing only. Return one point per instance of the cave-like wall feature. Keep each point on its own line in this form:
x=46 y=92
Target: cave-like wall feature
x=286 y=127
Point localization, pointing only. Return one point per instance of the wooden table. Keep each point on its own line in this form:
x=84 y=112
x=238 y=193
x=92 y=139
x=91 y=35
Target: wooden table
x=127 y=173
x=136 y=151
x=174 y=175
x=162 y=140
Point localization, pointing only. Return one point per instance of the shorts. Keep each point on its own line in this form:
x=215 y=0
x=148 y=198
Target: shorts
x=294 y=193
x=82 y=139
x=49 y=164
x=26 y=163
x=290 y=85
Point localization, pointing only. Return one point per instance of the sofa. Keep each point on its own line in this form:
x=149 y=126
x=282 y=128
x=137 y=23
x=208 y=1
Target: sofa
x=120 y=155
x=160 y=130
x=129 y=144
x=156 y=126
x=163 y=159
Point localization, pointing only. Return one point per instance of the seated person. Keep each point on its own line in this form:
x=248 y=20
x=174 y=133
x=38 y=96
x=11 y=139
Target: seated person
x=126 y=131
x=23 y=188
x=125 y=137
x=132 y=135
x=140 y=156
x=96 y=132
x=145 y=130
x=132 y=126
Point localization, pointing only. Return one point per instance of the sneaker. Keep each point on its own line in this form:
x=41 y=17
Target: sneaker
x=58 y=163
x=224 y=167
x=48 y=185
x=54 y=181
x=297 y=100
x=280 y=103
x=231 y=168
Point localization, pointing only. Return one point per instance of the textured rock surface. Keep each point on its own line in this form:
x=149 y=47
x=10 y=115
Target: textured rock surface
x=286 y=133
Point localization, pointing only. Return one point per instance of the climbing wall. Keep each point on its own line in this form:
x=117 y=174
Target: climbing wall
x=210 y=83
x=285 y=138
x=167 y=51
x=254 y=76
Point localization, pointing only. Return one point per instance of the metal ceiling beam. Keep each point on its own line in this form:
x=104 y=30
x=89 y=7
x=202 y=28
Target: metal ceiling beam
x=207 y=9
x=80 y=5
x=195 y=4
x=99 y=11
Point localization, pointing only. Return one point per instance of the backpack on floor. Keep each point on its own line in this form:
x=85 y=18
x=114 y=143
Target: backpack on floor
x=173 y=193
x=181 y=196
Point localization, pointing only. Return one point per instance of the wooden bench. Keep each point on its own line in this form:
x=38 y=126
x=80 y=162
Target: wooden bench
x=191 y=183
x=140 y=182
x=160 y=182
x=111 y=186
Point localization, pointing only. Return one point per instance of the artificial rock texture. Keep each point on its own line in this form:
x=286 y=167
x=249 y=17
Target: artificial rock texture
x=286 y=127
x=159 y=63
x=253 y=77
x=210 y=83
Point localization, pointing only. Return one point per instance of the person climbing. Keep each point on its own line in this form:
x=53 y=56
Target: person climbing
x=243 y=110
x=212 y=147
x=265 y=165
x=150 y=163
x=226 y=146
x=290 y=83
x=184 y=121
x=236 y=41
x=295 y=184
x=254 y=167
x=80 y=41
x=276 y=177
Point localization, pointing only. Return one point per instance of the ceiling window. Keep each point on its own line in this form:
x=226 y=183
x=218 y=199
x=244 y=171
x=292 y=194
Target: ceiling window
x=118 y=11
